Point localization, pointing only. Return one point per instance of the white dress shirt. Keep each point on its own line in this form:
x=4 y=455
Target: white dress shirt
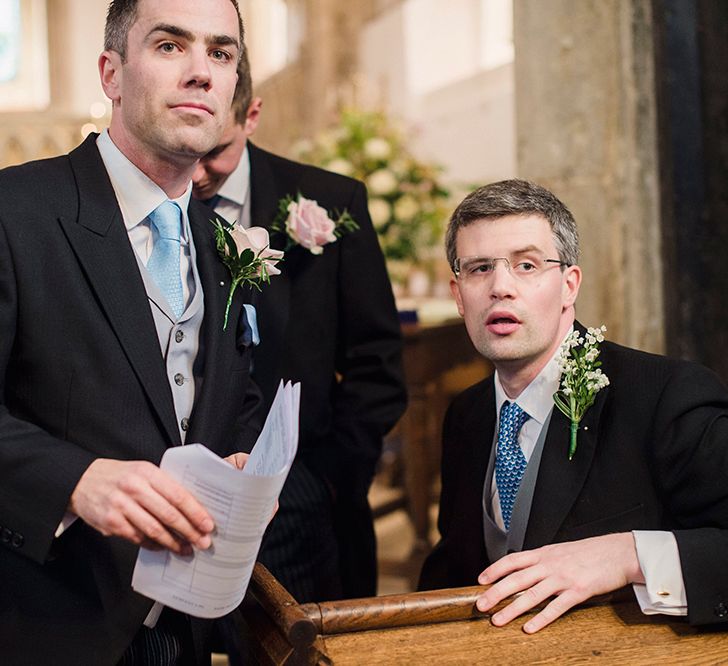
x=234 y=204
x=664 y=591
x=138 y=196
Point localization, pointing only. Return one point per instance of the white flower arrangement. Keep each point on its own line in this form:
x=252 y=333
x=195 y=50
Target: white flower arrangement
x=380 y=211
x=341 y=166
x=581 y=377
x=408 y=205
x=382 y=182
x=377 y=148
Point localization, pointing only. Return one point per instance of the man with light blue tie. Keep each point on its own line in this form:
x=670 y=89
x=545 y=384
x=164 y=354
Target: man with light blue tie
x=112 y=349
x=634 y=492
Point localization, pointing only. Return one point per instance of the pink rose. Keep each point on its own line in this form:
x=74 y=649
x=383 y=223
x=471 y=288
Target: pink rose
x=309 y=225
x=256 y=239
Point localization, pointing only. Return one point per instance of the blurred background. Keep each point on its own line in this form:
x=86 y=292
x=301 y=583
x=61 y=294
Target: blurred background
x=618 y=106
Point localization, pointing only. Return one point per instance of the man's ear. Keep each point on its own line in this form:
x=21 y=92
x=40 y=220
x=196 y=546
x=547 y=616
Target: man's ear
x=253 y=116
x=570 y=289
x=110 y=73
x=455 y=291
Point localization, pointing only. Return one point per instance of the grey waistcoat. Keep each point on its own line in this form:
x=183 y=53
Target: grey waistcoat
x=179 y=340
x=497 y=542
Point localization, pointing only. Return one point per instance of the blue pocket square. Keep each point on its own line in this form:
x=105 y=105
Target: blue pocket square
x=248 y=333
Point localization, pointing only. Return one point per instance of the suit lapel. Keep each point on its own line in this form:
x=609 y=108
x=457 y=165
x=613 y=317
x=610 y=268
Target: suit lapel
x=483 y=429
x=478 y=429
x=274 y=303
x=101 y=243
x=214 y=343
x=560 y=480
x=264 y=194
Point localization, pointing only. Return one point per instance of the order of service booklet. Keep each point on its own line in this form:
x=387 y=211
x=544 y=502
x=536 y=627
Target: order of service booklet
x=210 y=583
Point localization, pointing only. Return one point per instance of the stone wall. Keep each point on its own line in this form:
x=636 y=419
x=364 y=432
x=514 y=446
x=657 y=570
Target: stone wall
x=586 y=129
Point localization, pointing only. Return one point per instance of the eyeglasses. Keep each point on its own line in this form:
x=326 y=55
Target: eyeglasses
x=476 y=269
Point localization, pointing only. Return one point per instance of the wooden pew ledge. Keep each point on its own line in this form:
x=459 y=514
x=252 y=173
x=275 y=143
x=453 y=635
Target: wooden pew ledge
x=302 y=623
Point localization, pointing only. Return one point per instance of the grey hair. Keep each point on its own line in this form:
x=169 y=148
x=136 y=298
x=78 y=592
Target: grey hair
x=515 y=197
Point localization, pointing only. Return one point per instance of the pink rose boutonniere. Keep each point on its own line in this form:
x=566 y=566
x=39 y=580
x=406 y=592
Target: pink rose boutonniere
x=307 y=224
x=247 y=255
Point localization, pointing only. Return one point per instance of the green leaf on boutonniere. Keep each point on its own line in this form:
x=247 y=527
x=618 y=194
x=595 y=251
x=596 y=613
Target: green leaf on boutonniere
x=247 y=255
x=581 y=378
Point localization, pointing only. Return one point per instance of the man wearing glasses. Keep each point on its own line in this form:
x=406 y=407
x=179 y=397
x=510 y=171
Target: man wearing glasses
x=642 y=500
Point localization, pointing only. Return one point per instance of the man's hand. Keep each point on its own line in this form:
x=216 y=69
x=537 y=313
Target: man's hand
x=137 y=501
x=571 y=572
x=238 y=460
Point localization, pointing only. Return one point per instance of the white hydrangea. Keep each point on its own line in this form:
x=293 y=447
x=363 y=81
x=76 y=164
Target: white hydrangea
x=377 y=148
x=406 y=207
x=382 y=182
x=380 y=212
x=341 y=166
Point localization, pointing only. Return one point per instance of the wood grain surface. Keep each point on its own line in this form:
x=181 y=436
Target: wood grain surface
x=609 y=634
x=443 y=627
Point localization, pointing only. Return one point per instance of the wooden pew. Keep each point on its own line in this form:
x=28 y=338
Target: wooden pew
x=444 y=627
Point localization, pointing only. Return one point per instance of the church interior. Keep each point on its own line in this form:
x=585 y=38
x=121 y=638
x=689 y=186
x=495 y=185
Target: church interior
x=619 y=107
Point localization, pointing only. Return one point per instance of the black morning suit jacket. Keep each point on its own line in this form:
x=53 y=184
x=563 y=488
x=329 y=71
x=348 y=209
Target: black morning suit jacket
x=83 y=377
x=652 y=454
x=327 y=316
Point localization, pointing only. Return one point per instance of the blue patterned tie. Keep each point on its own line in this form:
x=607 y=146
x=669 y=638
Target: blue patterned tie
x=163 y=264
x=510 y=463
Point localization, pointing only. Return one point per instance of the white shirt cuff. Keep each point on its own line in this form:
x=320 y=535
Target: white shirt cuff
x=66 y=522
x=664 y=588
x=153 y=615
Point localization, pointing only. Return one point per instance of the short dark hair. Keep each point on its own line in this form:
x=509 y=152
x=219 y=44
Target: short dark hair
x=244 y=88
x=515 y=197
x=120 y=18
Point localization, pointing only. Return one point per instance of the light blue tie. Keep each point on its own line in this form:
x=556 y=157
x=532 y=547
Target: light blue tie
x=163 y=264
x=510 y=463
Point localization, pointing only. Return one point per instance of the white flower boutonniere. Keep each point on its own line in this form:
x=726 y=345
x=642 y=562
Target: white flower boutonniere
x=247 y=255
x=309 y=225
x=581 y=378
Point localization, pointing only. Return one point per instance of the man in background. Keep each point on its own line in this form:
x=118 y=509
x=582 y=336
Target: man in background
x=112 y=349
x=328 y=321
x=638 y=495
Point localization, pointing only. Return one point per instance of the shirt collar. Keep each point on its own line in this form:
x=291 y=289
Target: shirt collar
x=235 y=187
x=137 y=194
x=537 y=399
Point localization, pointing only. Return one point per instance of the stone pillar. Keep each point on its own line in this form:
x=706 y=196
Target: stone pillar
x=586 y=129
x=76 y=39
x=304 y=97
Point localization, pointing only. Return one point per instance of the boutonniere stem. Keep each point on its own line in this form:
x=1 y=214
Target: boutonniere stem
x=247 y=255
x=581 y=378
